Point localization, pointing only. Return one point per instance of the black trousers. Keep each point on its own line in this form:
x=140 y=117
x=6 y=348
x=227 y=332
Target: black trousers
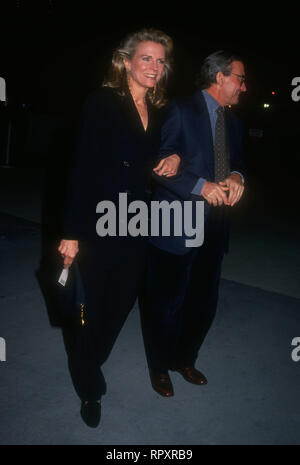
x=110 y=293
x=179 y=301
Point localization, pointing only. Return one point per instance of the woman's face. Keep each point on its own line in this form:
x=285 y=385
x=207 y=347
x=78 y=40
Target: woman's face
x=147 y=65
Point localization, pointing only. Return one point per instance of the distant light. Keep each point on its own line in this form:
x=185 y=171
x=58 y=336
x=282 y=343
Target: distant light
x=266 y=105
x=273 y=93
x=229 y=106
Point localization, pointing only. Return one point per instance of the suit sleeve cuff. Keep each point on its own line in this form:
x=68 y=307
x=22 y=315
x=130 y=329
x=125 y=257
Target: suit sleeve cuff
x=198 y=186
x=243 y=179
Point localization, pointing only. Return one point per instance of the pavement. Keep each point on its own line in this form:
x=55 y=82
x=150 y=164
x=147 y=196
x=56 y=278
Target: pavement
x=252 y=395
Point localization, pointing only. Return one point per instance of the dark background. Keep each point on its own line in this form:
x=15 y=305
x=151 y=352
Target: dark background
x=53 y=53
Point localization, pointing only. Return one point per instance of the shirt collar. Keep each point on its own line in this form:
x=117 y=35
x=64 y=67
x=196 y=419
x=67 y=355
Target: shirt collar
x=211 y=102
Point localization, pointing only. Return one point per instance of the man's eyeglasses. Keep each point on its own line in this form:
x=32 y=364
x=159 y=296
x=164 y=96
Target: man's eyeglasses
x=241 y=76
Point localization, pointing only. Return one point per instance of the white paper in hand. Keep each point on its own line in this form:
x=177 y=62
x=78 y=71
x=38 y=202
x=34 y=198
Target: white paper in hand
x=64 y=276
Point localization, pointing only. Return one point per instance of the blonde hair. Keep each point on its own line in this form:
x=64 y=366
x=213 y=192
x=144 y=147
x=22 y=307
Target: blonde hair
x=117 y=76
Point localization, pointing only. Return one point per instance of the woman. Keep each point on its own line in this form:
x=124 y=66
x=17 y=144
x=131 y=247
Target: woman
x=118 y=143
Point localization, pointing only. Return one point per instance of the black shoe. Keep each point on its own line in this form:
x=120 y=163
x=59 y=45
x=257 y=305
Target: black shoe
x=91 y=412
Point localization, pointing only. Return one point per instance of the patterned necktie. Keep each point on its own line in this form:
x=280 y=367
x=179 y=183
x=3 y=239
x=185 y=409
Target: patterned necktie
x=221 y=148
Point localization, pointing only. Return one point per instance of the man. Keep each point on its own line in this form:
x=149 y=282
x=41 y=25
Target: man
x=182 y=282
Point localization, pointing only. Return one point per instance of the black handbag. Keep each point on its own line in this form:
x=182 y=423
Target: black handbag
x=73 y=307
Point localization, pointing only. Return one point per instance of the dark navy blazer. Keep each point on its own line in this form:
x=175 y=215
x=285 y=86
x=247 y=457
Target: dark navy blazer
x=187 y=132
x=114 y=154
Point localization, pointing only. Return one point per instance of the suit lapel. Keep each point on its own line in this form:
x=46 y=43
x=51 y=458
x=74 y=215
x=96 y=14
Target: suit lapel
x=129 y=116
x=205 y=132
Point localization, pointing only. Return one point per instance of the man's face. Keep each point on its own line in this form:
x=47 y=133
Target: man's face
x=233 y=85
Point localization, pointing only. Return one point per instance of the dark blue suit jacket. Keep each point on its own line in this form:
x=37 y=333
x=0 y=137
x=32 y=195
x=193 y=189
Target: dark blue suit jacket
x=187 y=132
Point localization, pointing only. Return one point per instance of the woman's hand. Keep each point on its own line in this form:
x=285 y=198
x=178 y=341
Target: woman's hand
x=68 y=250
x=168 y=166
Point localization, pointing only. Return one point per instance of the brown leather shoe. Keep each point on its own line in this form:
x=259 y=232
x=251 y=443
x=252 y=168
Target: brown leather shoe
x=161 y=383
x=192 y=375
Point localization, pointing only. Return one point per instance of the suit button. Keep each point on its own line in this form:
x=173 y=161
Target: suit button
x=126 y=163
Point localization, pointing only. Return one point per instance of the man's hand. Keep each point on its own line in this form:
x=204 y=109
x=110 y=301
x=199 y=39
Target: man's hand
x=168 y=166
x=68 y=250
x=215 y=194
x=236 y=188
